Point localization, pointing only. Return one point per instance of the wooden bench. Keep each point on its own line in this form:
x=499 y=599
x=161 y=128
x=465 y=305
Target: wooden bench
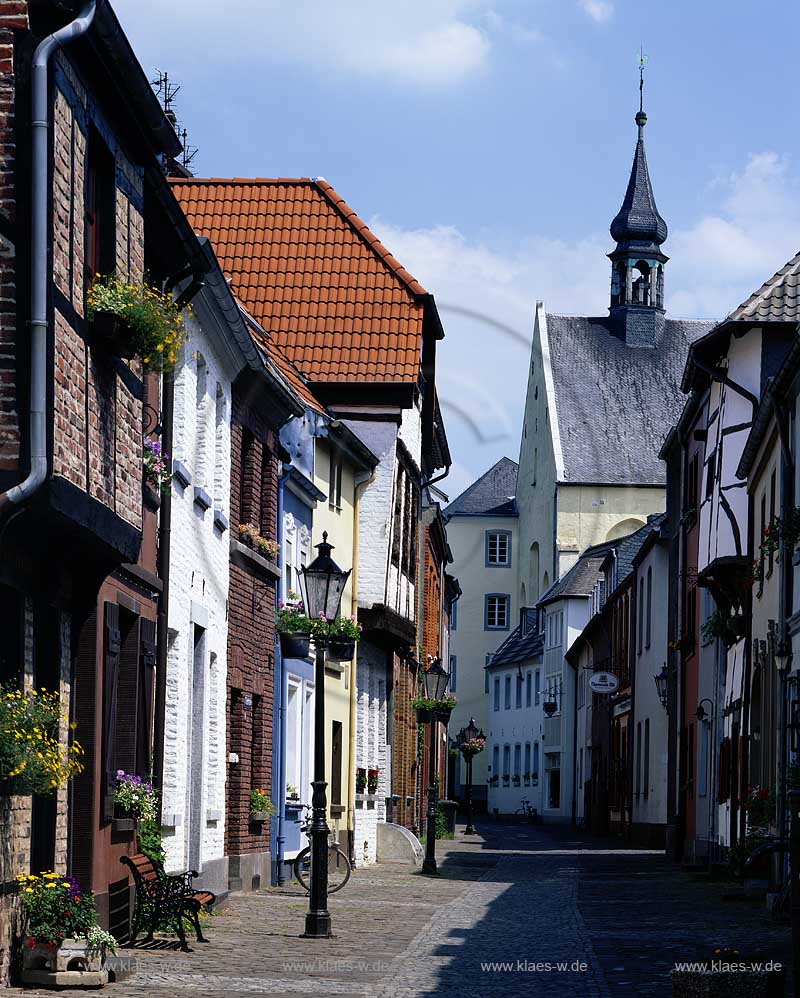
x=165 y=898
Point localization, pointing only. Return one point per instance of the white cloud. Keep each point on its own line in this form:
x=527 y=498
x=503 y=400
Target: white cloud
x=486 y=297
x=598 y=10
x=425 y=43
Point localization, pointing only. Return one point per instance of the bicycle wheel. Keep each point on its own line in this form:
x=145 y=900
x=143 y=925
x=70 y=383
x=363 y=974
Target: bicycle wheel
x=302 y=867
x=339 y=869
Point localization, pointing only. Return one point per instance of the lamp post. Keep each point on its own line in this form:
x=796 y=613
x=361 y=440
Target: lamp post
x=661 y=680
x=321 y=586
x=469 y=734
x=435 y=679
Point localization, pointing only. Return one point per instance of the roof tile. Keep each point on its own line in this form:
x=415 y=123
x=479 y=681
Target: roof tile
x=329 y=293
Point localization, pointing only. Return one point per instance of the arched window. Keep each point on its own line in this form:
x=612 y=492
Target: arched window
x=624 y=527
x=534 y=570
x=641 y=283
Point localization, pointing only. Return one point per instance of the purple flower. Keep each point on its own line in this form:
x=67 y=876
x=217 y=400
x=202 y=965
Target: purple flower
x=120 y=774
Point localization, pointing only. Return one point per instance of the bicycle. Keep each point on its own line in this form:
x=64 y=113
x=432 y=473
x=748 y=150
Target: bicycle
x=527 y=811
x=339 y=868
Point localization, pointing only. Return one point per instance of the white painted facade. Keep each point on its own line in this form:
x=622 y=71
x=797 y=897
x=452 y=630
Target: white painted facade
x=648 y=730
x=514 y=747
x=195 y=754
x=472 y=641
x=380 y=581
x=562 y=622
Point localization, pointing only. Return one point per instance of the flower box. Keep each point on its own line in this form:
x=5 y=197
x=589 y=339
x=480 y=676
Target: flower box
x=151 y=497
x=67 y=965
x=711 y=983
x=259 y=817
x=294 y=645
x=123 y=824
x=114 y=334
x=341 y=649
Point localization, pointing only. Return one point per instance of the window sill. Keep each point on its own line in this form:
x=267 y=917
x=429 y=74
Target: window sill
x=181 y=473
x=246 y=558
x=202 y=498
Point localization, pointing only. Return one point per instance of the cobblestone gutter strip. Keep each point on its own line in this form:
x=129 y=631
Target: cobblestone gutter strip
x=229 y=985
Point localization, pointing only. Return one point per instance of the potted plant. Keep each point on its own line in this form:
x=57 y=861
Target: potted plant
x=372 y=781
x=134 y=801
x=361 y=781
x=63 y=944
x=33 y=758
x=549 y=707
x=526 y=779
x=441 y=709
x=727 y=972
x=473 y=747
x=291 y=793
x=293 y=626
x=342 y=636
x=247 y=534
x=515 y=780
x=261 y=807
x=136 y=320
x=506 y=779
x=157 y=476
x=267 y=548
x=493 y=780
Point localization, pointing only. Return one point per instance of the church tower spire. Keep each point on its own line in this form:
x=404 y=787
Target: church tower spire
x=637 y=263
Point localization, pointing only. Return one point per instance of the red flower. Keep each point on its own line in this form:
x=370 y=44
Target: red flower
x=30 y=942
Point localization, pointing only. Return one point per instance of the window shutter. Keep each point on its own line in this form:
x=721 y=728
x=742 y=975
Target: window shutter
x=84 y=698
x=111 y=657
x=147 y=671
x=127 y=708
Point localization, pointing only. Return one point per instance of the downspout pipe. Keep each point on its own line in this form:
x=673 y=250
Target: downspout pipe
x=279 y=731
x=40 y=129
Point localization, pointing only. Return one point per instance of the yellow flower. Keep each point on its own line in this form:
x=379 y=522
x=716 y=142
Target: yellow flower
x=29 y=890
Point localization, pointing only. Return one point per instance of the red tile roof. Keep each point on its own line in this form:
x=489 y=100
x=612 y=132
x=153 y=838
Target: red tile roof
x=324 y=287
x=286 y=369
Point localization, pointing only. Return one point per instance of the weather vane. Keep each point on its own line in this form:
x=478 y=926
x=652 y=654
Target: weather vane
x=642 y=59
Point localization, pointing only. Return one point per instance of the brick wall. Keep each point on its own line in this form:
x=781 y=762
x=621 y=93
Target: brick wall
x=101 y=454
x=13 y=16
x=251 y=636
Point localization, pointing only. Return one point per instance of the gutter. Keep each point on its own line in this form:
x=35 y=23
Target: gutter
x=40 y=133
x=368 y=479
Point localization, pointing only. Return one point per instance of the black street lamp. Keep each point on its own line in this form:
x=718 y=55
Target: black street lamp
x=321 y=586
x=469 y=734
x=661 y=680
x=435 y=679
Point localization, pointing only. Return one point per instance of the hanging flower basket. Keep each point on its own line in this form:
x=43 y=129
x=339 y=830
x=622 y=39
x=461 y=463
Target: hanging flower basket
x=136 y=320
x=341 y=649
x=151 y=497
x=423 y=715
x=294 y=645
x=114 y=334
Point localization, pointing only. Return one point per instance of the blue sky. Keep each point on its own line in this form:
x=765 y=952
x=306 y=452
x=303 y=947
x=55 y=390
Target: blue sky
x=489 y=145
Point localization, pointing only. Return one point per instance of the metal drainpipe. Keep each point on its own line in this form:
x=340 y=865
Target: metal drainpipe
x=162 y=563
x=351 y=776
x=40 y=128
x=280 y=837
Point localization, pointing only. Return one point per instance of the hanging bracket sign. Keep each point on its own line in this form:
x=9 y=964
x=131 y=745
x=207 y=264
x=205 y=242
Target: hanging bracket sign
x=603 y=682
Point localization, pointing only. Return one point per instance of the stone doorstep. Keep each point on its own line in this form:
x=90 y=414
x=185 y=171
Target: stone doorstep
x=66 y=978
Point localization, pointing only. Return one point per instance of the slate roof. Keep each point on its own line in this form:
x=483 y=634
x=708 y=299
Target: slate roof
x=491 y=495
x=339 y=304
x=581 y=579
x=777 y=300
x=638 y=225
x=616 y=403
x=519 y=647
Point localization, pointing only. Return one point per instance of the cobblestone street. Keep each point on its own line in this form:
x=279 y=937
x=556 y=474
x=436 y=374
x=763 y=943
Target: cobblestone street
x=513 y=895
